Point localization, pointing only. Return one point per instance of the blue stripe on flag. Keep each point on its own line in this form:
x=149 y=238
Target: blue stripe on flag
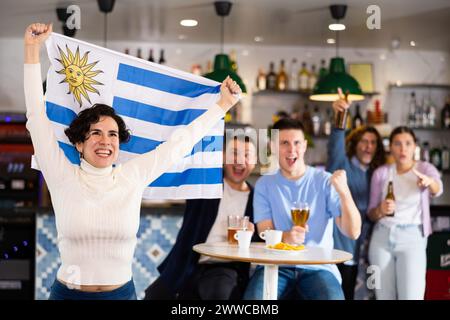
x=142 y=145
x=71 y=152
x=60 y=114
x=149 y=113
x=163 y=82
x=190 y=176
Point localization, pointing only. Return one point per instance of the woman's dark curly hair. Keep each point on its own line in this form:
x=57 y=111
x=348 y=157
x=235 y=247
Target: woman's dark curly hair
x=81 y=125
x=356 y=135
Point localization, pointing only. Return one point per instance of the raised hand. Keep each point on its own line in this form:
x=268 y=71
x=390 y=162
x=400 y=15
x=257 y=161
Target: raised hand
x=37 y=33
x=341 y=104
x=423 y=181
x=339 y=182
x=229 y=94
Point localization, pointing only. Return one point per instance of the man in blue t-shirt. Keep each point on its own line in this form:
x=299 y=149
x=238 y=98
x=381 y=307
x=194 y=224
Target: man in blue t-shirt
x=329 y=200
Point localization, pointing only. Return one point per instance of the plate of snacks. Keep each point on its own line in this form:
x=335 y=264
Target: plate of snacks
x=282 y=247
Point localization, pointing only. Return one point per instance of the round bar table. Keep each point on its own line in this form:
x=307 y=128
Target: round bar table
x=271 y=259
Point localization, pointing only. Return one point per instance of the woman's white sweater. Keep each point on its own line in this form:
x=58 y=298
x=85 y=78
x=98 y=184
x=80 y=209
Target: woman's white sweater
x=97 y=210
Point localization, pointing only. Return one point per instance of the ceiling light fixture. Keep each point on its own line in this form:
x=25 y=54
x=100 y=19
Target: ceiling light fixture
x=336 y=27
x=189 y=23
x=326 y=89
x=222 y=65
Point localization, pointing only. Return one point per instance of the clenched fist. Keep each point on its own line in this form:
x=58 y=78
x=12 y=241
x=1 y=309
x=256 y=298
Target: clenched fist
x=339 y=182
x=37 y=33
x=229 y=92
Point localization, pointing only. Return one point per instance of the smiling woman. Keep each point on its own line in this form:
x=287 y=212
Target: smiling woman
x=96 y=204
x=97 y=133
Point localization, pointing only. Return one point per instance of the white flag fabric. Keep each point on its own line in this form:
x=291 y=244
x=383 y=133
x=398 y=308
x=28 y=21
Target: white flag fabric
x=153 y=100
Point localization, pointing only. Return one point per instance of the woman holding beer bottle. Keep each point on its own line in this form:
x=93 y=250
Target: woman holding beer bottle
x=400 y=205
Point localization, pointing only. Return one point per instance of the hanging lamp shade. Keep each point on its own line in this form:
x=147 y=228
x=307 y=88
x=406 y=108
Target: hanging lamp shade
x=326 y=89
x=222 y=69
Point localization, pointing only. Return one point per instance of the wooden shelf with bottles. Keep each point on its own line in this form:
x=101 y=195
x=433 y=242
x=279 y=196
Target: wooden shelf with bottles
x=419 y=86
x=439 y=129
x=305 y=94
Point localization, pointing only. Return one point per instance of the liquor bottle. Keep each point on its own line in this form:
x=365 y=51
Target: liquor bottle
x=282 y=78
x=209 y=66
x=390 y=196
x=316 y=121
x=261 y=80
x=349 y=123
x=312 y=79
x=323 y=71
x=417 y=151
x=127 y=51
x=303 y=76
x=357 y=119
x=139 y=53
x=307 y=121
x=162 y=60
x=426 y=152
x=233 y=61
x=431 y=113
x=418 y=115
x=341 y=118
x=293 y=75
x=271 y=78
x=436 y=157
x=412 y=110
x=327 y=123
x=445 y=158
x=425 y=111
x=445 y=114
x=150 y=56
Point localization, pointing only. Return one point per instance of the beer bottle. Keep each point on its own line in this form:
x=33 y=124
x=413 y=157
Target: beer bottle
x=390 y=196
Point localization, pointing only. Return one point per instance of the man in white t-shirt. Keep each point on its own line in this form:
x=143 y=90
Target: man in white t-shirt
x=185 y=274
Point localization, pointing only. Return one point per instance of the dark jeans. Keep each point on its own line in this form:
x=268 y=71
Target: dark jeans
x=295 y=283
x=349 y=274
x=215 y=281
x=59 y=291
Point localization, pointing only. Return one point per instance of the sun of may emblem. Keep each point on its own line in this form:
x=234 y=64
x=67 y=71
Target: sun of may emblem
x=78 y=74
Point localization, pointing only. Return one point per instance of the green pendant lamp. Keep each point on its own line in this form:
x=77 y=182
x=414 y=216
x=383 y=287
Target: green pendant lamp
x=222 y=64
x=326 y=89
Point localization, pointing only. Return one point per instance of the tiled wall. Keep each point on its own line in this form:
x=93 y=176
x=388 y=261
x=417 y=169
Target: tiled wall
x=156 y=236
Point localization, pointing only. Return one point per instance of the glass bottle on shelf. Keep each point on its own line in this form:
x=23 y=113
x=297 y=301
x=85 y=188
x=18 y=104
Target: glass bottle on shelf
x=436 y=157
x=162 y=60
x=282 y=78
x=303 y=76
x=307 y=121
x=418 y=115
x=150 y=56
x=139 y=53
x=323 y=71
x=316 y=121
x=357 y=119
x=426 y=152
x=445 y=158
x=271 y=78
x=293 y=75
x=127 y=51
x=412 y=110
x=261 y=80
x=209 y=66
x=431 y=113
x=417 y=151
x=445 y=114
x=425 y=112
x=312 y=80
x=327 y=122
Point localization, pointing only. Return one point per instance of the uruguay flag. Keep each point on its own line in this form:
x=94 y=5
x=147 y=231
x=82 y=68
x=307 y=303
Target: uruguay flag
x=153 y=100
